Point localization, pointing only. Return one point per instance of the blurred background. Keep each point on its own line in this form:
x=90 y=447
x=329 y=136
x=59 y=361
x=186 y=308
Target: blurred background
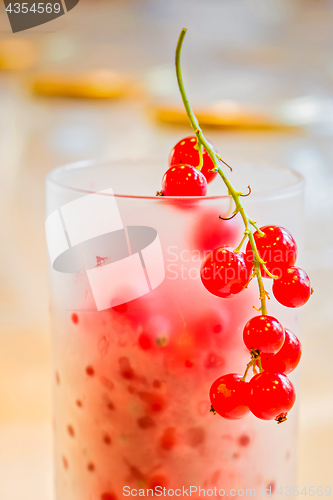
x=99 y=82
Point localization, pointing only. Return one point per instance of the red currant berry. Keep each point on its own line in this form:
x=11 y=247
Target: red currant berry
x=286 y=359
x=293 y=288
x=186 y=152
x=224 y=273
x=229 y=396
x=270 y=395
x=184 y=180
x=264 y=333
x=277 y=248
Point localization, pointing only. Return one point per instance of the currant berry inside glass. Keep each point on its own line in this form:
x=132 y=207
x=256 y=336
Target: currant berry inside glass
x=184 y=180
x=293 y=288
x=224 y=272
x=212 y=232
x=229 y=396
x=276 y=247
x=264 y=333
x=186 y=152
x=271 y=394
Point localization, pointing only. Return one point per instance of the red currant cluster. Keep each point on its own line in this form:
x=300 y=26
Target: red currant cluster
x=226 y=272
x=271 y=252
x=277 y=248
x=269 y=394
x=183 y=178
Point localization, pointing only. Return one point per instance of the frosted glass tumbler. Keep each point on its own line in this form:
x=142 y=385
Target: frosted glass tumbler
x=138 y=340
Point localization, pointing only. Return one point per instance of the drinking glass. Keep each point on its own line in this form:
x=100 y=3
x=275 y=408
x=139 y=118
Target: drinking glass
x=137 y=339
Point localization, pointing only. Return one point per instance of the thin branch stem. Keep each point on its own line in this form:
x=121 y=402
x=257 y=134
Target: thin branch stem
x=248 y=366
x=228 y=218
x=256 y=228
x=226 y=164
x=257 y=271
x=238 y=249
x=247 y=194
x=216 y=161
x=259 y=364
x=199 y=167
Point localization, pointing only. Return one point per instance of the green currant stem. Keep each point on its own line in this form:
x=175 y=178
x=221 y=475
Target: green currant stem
x=215 y=159
x=255 y=357
x=256 y=261
x=248 y=366
x=253 y=364
x=238 y=249
x=226 y=164
x=259 y=364
x=273 y=276
x=199 y=167
x=256 y=228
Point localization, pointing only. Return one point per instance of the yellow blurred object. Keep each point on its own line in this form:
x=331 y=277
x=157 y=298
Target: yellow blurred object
x=17 y=54
x=222 y=114
x=94 y=84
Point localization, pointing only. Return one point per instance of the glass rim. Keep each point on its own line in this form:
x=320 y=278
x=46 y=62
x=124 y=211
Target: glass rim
x=292 y=188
